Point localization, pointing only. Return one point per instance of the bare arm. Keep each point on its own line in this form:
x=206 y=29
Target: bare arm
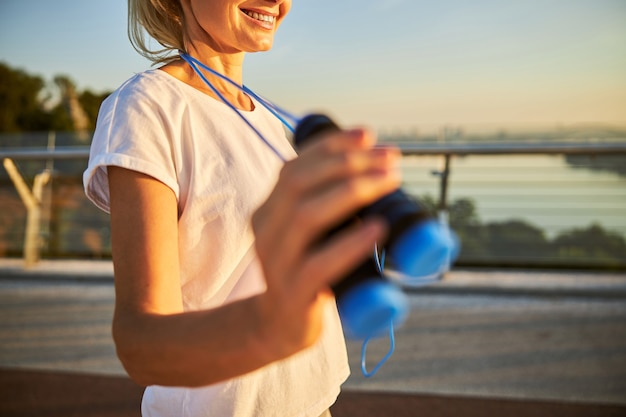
x=155 y=340
x=159 y=344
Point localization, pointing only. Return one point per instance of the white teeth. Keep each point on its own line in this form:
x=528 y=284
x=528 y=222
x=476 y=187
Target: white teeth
x=261 y=17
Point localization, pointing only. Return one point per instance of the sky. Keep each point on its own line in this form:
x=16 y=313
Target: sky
x=389 y=64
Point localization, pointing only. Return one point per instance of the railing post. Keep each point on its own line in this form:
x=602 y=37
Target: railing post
x=32 y=201
x=442 y=207
x=443 y=184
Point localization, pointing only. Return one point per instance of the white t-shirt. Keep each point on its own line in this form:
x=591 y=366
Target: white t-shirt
x=220 y=172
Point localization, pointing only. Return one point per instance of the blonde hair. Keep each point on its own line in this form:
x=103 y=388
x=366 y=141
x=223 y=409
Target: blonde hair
x=163 y=21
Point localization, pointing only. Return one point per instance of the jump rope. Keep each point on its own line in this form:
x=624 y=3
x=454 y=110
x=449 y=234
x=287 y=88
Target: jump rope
x=400 y=307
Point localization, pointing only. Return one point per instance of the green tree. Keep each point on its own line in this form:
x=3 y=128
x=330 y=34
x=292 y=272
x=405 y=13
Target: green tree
x=603 y=163
x=91 y=104
x=72 y=106
x=21 y=105
x=59 y=119
x=593 y=243
x=517 y=240
x=466 y=223
x=25 y=104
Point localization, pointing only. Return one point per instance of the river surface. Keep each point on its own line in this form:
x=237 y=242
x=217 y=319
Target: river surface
x=543 y=190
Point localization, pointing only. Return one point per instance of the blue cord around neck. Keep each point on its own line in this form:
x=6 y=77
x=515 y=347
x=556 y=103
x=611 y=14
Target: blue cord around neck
x=278 y=112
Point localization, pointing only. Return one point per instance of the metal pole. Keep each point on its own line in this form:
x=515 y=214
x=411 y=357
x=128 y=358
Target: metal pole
x=443 y=184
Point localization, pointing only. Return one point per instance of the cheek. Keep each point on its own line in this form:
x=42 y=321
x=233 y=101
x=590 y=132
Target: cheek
x=284 y=11
x=211 y=16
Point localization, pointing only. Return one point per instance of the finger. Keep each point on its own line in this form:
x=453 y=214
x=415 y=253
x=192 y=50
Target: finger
x=332 y=261
x=316 y=214
x=302 y=177
x=310 y=171
x=332 y=141
x=351 y=145
x=324 y=211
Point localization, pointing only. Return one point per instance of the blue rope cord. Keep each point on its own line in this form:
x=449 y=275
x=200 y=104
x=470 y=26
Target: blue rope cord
x=392 y=346
x=192 y=64
x=380 y=264
x=280 y=113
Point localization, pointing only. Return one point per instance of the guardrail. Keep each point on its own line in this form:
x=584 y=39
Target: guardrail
x=445 y=150
x=69 y=152
x=477 y=148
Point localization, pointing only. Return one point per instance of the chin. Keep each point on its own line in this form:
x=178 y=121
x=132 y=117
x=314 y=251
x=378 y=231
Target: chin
x=264 y=45
x=260 y=48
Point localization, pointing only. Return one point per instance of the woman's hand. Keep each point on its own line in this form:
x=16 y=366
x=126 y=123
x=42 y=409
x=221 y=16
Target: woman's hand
x=331 y=179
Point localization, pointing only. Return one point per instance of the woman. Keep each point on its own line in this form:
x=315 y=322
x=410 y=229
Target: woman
x=223 y=304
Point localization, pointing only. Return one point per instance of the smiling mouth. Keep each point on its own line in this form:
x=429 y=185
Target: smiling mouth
x=260 y=17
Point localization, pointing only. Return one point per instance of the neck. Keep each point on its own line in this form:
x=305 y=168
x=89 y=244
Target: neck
x=228 y=65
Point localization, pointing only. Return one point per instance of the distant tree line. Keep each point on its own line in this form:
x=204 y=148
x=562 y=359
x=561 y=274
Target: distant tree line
x=27 y=103
x=605 y=163
x=518 y=242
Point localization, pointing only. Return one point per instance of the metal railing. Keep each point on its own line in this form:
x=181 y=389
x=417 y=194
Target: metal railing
x=68 y=152
x=444 y=151
x=452 y=149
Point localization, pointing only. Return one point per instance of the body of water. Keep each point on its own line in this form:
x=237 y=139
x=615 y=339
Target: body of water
x=544 y=190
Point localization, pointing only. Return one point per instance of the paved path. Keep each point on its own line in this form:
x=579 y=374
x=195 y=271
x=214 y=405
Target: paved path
x=506 y=347
x=58 y=394
x=479 y=334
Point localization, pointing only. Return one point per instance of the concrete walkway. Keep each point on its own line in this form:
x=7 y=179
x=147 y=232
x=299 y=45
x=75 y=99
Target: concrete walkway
x=478 y=342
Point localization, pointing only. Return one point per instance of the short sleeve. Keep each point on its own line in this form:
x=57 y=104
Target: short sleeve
x=133 y=131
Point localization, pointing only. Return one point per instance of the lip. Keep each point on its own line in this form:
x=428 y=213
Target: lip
x=262 y=23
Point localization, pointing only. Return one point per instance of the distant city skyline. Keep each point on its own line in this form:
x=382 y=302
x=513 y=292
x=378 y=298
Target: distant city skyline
x=391 y=64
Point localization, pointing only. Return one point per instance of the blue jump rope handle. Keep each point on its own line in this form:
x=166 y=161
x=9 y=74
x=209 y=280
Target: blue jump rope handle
x=417 y=245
